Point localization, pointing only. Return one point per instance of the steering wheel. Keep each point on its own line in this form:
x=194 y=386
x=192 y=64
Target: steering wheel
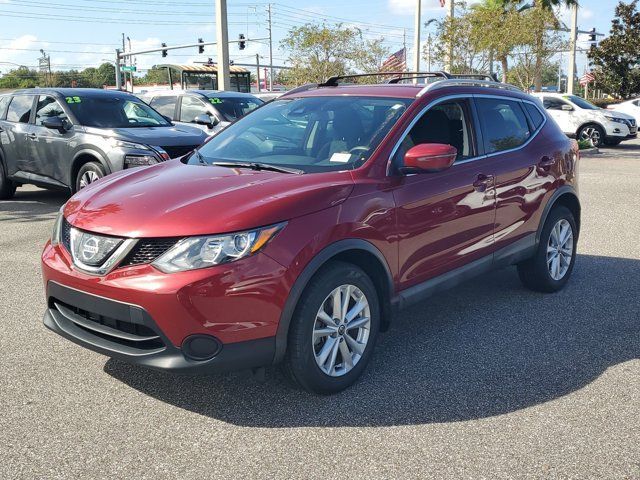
x=133 y=120
x=359 y=149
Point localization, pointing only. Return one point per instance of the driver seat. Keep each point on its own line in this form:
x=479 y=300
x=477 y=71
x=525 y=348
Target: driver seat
x=347 y=133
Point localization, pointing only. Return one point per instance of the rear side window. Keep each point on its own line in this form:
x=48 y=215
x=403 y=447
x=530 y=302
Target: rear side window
x=165 y=105
x=191 y=107
x=48 y=107
x=552 y=103
x=504 y=124
x=4 y=101
x=20 y=109
x=534 y=113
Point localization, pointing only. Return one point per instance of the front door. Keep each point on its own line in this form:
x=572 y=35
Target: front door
x=446 y=219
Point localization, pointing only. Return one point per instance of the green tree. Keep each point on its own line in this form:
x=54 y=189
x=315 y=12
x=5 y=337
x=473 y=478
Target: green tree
x=21 y=77
x=155 y=76
x=372 y=55
x=617 y=57
x=321 y=51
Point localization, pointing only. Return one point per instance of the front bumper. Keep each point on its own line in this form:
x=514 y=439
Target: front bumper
x=128 y=332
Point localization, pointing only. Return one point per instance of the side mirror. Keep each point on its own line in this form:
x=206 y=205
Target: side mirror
x=567 y=108
x=429 y=158
x=168 y=118
x=207 y=120
x=55 y=123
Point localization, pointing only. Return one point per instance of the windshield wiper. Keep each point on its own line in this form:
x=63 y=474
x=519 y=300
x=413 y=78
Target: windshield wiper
x=259 y=166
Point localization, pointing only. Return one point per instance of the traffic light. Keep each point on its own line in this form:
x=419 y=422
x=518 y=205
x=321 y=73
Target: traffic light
x=241 y=42
x=592 y=35
x=200 y=47
x=164 y=52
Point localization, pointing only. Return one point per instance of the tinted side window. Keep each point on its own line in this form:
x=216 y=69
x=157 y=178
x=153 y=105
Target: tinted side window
x=4 y=101
x=48 y=107
x=165 y=105
x=20 y=109
x=551 y=103
x=534 y=113
x=191 y=107
x=503 y=123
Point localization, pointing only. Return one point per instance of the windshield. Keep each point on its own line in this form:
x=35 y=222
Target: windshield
x=310 y=134
x=114 y=112
x=232 y=108
x=581 y=102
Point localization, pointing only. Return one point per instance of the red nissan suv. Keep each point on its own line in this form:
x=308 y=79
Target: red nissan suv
x=294 y=235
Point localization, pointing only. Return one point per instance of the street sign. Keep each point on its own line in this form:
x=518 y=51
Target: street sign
x=128 y=68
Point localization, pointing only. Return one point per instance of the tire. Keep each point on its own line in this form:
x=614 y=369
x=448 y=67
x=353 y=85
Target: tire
x=612 y=142
x=7 y=187
x=541 y=273
x=592 y=132
x=309 y=343
x=88 y=173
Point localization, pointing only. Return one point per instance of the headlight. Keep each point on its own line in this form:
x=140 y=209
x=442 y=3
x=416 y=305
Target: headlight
x=139 y=160
x=202 y=252
x=56 y=234
x=115 y=143
x=615 y=119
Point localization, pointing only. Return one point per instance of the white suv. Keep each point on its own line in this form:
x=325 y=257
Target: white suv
x=583 y=120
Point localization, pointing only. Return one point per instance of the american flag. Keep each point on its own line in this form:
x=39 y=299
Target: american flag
x=443 y=3
x=397 y=62
x=588 y=77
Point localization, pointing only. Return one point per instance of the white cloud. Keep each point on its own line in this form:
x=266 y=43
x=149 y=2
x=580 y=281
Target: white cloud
x=12 y=56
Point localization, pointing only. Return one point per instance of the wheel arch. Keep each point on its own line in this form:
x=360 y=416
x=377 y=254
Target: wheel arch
x=567 y=197
x=591 y=122
x=355 y=251
x=81 y=158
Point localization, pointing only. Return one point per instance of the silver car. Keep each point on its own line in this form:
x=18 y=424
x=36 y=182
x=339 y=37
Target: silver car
x=209 y=110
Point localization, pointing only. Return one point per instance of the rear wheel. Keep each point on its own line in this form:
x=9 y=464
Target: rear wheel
x=7 y=187
x=88 y=173
x=550 y=268
x=593 y=133
x=333 y=330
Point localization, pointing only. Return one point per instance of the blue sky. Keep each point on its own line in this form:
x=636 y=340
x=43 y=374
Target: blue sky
x=81 y=33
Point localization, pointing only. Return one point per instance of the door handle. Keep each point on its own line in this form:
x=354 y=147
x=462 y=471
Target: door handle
x=32 y=136
x=483 y=182
x=546 y=162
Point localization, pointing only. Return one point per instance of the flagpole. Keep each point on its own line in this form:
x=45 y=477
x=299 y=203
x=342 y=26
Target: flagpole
x=449 y=66
x=416 y=41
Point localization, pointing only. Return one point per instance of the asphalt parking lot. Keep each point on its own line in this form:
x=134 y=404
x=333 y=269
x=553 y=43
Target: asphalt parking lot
x=487 y=381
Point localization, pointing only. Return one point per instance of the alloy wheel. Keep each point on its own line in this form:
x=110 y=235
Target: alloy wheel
x=592 y=134
x=341 y=330
x=88 y=177
x=560 y=249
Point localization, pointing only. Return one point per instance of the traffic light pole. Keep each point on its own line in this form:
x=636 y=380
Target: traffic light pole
x=222 y=34
x=572 y=49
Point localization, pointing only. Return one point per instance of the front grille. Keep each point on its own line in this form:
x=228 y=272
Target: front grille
x=66 y=234
x=178 y=151
x=125 y=333
x=147 y=250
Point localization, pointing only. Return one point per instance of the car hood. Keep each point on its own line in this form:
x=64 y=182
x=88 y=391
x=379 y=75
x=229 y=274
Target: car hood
x=616 y=114
x=173 y=199
x=177 y=135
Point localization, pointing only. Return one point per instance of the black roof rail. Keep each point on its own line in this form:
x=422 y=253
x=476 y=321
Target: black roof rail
x=492 y=77
x=333 y=81
x=301 y=88
x=416 y=75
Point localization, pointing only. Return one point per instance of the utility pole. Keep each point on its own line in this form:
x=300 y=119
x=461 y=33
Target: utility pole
x=118 y=78
x=429 y=53
x=130 y=64
x=560 y=74
x=416 y=39
x=404 y=49
x=572 y=49
x=222 y=36
x=258 y=71
x=270 y=51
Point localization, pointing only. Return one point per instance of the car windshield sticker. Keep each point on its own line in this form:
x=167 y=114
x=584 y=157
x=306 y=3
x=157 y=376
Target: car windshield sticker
x=73 y=99
x=215 y=100
x=340 y=157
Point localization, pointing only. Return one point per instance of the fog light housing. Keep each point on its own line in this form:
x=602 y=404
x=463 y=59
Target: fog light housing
x=131 y=161
x=201 y=347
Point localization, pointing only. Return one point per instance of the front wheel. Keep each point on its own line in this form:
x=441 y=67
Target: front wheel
x=89 y=172
x=333 y=330
x=551 y=266
x=593 y=133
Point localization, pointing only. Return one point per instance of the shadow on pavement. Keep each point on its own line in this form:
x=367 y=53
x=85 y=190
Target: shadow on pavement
x=32 y=205
x=486 y=348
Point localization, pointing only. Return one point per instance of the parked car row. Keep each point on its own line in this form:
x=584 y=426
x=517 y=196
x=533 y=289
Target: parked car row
x=69 y=138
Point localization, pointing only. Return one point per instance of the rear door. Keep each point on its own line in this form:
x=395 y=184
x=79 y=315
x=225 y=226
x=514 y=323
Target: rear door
x=165 y=105
x=50 y=150
x=190 y=107
x=524 y=167
x=16 y=134
x=446 y=219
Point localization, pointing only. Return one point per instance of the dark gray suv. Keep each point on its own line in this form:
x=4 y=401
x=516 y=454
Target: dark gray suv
x=68 y=138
